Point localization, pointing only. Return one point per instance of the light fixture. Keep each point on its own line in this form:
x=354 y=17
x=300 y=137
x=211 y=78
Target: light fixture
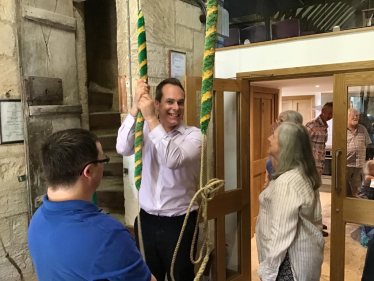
x=317 y=86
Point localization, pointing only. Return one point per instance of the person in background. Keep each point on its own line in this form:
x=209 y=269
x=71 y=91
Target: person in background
x=289 y=241
x=357 y=141
x=69 y=238
x=289 y=116
x=317 y=129
x=364 y=190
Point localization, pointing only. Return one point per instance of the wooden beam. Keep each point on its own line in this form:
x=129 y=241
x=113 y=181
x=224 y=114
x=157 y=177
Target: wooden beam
x=307 y=71
x=55 y=109
x=49 y=18
x=358 y=211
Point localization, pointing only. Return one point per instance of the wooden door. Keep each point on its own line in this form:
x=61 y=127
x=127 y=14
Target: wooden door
x=302 y=104
x=349 y=214
x=228 y=159
x=263 y=112
x=50 y=87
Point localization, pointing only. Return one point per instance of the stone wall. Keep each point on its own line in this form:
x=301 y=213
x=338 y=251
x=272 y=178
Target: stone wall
x=170 y=25
x=14 y=216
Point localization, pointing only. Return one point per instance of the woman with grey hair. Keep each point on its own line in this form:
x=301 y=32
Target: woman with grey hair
x=288 y=231
x=289 y=116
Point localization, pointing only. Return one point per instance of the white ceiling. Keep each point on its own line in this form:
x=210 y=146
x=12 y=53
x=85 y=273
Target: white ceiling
x=302 y=86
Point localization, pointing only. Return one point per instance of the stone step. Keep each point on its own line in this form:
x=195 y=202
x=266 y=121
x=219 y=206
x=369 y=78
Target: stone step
x=110 y=193
x=105 y=120
x=108 y=141
x=99 y=101
x=115 y=166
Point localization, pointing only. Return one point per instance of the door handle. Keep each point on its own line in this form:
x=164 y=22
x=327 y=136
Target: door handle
x=338 y=187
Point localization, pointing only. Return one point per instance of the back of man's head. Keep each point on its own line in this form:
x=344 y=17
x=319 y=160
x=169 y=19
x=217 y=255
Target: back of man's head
x=65 y=153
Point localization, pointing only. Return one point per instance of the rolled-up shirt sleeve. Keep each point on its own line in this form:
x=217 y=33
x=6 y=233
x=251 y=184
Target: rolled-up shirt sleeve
x=284 y=218
x=177 y=155
x=126 y=136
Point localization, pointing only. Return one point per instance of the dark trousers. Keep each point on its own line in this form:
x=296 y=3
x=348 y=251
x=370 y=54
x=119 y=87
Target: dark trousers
x=368 y=274
x=160 y=237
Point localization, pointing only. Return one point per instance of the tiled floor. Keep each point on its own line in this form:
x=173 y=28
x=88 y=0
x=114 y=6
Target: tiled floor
x=355 y=253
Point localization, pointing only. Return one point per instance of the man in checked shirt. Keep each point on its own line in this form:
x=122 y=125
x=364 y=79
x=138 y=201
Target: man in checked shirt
x=357 y=141
x=317 y=129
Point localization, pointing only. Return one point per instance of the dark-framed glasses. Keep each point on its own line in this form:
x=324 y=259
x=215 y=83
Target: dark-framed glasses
x=104 y=161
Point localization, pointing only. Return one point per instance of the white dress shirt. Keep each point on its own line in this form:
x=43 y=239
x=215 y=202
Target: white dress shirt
x=290 y=220
x=171 y=166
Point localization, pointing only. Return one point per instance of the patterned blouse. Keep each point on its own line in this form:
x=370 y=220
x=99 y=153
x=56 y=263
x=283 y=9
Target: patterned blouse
x=290 y=222
x=317 y=130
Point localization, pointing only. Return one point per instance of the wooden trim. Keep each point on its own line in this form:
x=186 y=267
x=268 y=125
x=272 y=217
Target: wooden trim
x=308 y=97
x=221 y=248
x=306 y=37
x=122 y=94
x=266 y=90
x=43 y=110
x=339 y=139
x=219 y=133
x=358 y=211
x=307 y=71
x=190 y=103
x=225 y=203
x=49 y=18
x=359 y=78
x=244 y=179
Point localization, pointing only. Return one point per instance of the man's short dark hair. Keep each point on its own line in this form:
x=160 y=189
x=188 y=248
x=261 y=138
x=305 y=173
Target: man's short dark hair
x=65 y=153
x=172 y=81
x=328 y=104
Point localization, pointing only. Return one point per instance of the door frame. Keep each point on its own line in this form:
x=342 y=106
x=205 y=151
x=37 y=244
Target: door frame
x=340 y=72
x=236 y=200
x=255 y=91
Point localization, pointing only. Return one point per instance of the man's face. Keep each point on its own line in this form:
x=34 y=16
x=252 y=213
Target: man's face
x=171 y=107
x=327 y=113
x=98 y=169
x=353 y=118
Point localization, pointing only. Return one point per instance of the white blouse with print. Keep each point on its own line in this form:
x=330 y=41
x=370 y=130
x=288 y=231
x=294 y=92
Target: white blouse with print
x=290 y=220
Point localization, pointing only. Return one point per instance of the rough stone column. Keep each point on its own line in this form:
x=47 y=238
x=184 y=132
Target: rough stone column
x=14 y=216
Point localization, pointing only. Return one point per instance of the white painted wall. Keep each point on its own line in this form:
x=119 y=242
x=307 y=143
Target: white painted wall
x=347 y=47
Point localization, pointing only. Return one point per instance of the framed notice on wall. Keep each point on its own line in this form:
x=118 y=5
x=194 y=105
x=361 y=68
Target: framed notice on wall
x=11 y=121
x=177 y=64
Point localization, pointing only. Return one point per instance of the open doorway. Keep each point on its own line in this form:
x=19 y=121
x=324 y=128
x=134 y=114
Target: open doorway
x=103 y=105
x=307 y=96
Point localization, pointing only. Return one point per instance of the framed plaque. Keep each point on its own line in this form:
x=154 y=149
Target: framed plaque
x=177 y=64
x=11 y=121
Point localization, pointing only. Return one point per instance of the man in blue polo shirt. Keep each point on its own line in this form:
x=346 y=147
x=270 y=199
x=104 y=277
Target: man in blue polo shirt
x=69 y=239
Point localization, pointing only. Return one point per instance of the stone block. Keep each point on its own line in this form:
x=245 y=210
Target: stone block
x=8 y=10
x=13 y=202
x=159 y=21
x=8 y=40
x=19 y=226
x=9 y=78
x=5 y=234
x=184 y=37
x=157 y=61
x=10 y=168
x=198 y=55
x=188 y=15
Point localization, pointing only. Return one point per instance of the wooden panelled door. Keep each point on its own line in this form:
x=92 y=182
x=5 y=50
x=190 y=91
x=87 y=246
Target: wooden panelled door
x=302 y=104
x=229 y=211
x=349 y=214
x=263 y=112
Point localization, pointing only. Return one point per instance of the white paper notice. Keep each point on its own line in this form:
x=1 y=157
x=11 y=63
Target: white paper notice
x=11 y=121
x=177 y=65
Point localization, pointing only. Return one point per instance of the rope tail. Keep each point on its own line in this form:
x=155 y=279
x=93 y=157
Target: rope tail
x=208 y=191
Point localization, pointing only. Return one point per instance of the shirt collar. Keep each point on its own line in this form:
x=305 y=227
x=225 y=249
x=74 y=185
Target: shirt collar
x=321 y=122
x=181 y=127
x=71 y=205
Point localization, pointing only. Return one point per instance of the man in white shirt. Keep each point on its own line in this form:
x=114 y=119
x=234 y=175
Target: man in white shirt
x=171 y=166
